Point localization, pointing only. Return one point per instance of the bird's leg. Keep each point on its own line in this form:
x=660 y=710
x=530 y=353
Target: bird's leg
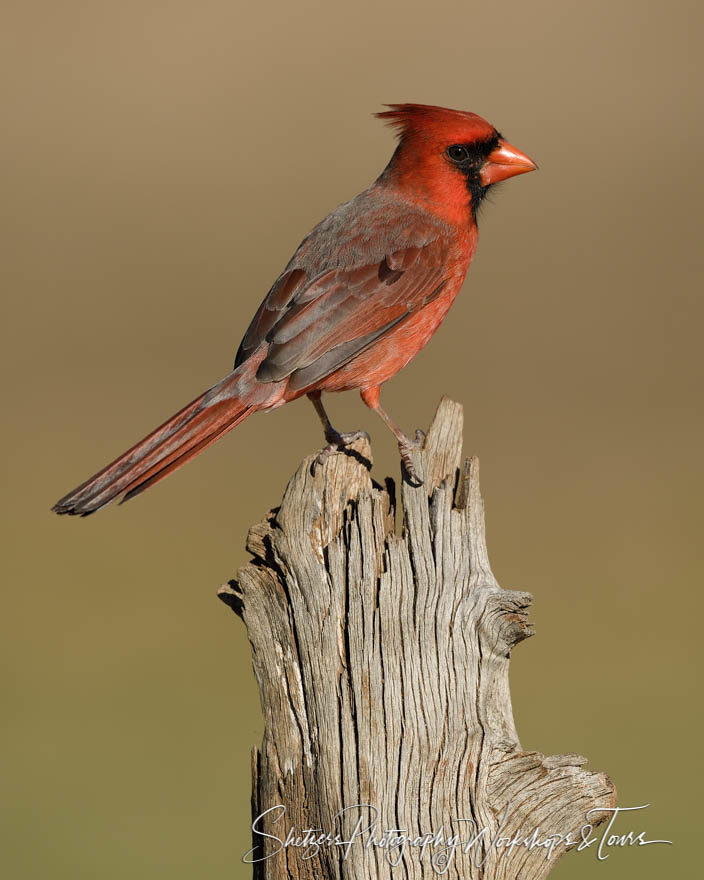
x=405 y=445
x=335 y=440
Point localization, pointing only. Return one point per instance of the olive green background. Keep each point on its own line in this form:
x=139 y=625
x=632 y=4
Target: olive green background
x=160 y=163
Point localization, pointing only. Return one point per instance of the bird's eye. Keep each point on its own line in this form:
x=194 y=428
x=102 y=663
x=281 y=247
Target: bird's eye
x=458 y=153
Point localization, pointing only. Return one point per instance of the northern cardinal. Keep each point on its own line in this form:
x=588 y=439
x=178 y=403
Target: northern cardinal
x=361 y=296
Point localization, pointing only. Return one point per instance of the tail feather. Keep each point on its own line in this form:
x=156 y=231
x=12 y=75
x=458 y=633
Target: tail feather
x=169 y=446
x=159 y=471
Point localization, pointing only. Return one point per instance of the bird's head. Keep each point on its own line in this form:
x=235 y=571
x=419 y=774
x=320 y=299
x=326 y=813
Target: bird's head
x=449 y=158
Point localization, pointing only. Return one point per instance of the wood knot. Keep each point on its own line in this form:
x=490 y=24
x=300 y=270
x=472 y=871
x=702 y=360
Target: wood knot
x=508 y=619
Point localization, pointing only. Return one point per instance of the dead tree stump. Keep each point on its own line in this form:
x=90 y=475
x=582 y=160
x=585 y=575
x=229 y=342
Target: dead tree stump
x=382 y=662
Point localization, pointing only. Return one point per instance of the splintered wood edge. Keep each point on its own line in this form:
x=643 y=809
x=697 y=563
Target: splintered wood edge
x=443 y=444
x=327 y=488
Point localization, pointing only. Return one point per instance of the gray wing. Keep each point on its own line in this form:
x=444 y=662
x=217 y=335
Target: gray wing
x=315 y=326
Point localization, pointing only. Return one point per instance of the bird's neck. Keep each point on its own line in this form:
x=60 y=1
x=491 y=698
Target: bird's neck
x=419 y=183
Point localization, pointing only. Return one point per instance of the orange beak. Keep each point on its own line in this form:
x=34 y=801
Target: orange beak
x=504 y=162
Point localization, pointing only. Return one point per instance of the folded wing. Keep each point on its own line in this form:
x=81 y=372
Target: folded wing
x=316 y=326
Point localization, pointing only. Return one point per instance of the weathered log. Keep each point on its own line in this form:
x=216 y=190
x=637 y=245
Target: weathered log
x=382 y=662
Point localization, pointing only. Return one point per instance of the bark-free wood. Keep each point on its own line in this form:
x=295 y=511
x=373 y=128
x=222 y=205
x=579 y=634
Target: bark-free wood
x=382 y=661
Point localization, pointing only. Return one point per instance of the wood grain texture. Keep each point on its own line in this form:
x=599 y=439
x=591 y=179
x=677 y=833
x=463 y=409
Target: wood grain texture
x=382 y=661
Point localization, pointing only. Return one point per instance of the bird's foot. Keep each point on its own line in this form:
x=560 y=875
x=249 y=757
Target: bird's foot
x=337 y=442
x=406 y=446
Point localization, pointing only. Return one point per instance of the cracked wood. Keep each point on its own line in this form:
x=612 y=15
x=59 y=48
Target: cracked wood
x=382 y=662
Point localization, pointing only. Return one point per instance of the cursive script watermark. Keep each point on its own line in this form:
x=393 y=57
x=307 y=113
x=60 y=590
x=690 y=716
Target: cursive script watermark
x=440 y=846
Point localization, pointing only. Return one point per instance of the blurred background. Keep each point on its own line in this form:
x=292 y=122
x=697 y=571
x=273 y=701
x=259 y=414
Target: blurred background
x=160 y=163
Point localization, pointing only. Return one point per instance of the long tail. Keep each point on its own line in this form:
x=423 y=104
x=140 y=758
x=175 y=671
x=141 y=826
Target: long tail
x=171 y=445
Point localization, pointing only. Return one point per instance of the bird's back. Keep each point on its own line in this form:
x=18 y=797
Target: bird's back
x=377 y=222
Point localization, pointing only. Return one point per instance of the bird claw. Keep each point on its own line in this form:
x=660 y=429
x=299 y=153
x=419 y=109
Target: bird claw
x=406 y=446
x=337 y=442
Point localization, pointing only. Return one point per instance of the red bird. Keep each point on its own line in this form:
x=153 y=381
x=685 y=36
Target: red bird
x=361 y=296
